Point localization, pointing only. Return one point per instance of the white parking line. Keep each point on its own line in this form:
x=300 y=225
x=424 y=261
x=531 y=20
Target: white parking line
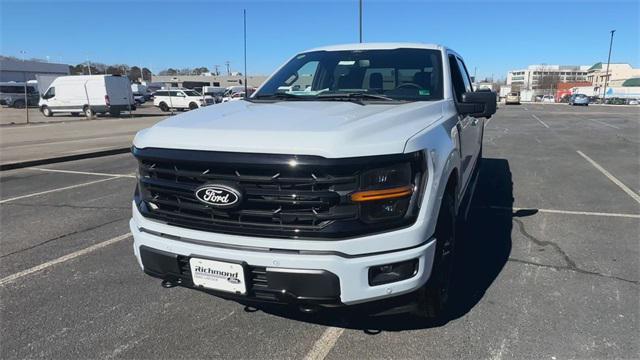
x=11 y=278
x=570 y=212
x=83 y=172
x=604 y=123
x=55 y=190
x=323 y=345
x=622 y=186
x=540 y=121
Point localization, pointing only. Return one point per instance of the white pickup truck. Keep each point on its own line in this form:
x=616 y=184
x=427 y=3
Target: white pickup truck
x=339 y=182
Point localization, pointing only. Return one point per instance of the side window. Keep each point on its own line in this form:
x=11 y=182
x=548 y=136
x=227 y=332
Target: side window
x=456 y=78
x=50 y=93
x=465 y=76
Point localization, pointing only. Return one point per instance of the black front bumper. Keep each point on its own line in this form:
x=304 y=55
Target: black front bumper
x=319 y=287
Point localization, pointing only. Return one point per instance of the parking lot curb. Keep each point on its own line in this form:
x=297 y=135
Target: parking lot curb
x=59 y=159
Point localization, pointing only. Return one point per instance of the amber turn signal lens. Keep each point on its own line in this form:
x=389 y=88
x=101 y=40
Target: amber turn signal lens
x=393 y=193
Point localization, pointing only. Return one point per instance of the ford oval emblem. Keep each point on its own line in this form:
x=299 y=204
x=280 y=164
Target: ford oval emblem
x=218 y=195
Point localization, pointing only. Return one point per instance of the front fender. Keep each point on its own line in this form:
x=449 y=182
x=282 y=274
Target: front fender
x=442 y=146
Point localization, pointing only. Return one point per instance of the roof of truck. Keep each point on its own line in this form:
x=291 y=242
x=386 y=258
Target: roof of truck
x=377 y=46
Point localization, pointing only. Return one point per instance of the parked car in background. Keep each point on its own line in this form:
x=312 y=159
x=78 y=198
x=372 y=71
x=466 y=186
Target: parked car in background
x=512 y=98
x=180 y=99
x=233 y=97
x=579 y=99
x=12 y=94
x=632 y=101
x=616 y=101
x=89 y=94
x=565 y=98
x=538 y=98
x=216 y=92
x=548 y=99
x=139 y=98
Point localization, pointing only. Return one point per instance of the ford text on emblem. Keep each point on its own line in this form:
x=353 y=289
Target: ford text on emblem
x=218 y=195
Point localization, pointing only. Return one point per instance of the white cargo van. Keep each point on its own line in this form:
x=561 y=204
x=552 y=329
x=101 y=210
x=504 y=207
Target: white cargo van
x=89 y=94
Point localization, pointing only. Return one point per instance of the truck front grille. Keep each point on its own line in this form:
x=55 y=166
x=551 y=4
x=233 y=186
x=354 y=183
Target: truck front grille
x=283 y=195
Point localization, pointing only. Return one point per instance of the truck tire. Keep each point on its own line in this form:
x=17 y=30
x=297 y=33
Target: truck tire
x=433 y=297
x=46 y=111
x=88 y=112
x=164 y=107
x=18 y=104
x=193 y=106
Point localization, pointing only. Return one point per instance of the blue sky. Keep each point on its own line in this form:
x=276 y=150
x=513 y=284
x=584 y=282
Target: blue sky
x=492 y=36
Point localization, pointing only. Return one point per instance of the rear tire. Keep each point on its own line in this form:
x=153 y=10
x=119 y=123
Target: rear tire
x=164 y=107
x=18 y=104
x=46 y=111
x=434 y=295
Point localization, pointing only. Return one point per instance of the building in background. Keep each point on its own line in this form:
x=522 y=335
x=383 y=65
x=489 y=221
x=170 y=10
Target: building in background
x=198 y=81
x=545 y=77
x=19 y=70
x=618 y=74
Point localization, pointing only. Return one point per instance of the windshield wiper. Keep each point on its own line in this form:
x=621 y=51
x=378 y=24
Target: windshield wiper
x=354 y=96
x=278 y=96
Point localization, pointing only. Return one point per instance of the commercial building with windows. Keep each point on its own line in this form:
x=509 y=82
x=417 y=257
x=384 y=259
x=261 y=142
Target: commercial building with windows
x=618 y=74
x=539 y=76
x=18 y=70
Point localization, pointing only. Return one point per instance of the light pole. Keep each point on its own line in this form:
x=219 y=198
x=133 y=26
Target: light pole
x=360 y=19
x=606 y=74
x=246 y=88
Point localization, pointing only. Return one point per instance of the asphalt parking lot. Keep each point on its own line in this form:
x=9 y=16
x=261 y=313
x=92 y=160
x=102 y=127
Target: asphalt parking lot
x=548 y=268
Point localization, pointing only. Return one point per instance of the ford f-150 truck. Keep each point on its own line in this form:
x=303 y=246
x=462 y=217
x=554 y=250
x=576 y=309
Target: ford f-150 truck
x=338 y=182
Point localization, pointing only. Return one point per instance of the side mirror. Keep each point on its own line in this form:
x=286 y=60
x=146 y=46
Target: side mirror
x=478 y=104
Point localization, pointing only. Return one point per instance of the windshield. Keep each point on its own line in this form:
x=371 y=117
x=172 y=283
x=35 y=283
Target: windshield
x=398 y=74
x=192 y=93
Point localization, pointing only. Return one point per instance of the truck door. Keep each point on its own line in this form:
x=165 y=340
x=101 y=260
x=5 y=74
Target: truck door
x=469 y=128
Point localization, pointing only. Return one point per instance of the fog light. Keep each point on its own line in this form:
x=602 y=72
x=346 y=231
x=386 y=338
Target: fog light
x=388 y=273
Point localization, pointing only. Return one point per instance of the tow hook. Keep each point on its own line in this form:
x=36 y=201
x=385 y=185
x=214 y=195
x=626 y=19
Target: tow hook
x=308 y=309
x=167 y=284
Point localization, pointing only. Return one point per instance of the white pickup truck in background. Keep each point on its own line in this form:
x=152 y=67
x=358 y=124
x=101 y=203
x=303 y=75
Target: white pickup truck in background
x=344 y=188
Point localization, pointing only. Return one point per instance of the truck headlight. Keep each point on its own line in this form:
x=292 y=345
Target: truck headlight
x=385 y=193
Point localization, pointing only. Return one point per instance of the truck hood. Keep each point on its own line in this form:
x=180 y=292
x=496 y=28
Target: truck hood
x=323 y=128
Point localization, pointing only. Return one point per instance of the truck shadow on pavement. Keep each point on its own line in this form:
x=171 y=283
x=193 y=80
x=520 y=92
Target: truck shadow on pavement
x=482 y=250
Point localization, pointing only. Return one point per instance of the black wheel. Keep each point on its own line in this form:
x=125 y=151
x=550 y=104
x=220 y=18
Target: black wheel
x=18 y=104
x=193 y=106
x=164 y=107
x=88 y=112
x=46 y=111
x=433 y=297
